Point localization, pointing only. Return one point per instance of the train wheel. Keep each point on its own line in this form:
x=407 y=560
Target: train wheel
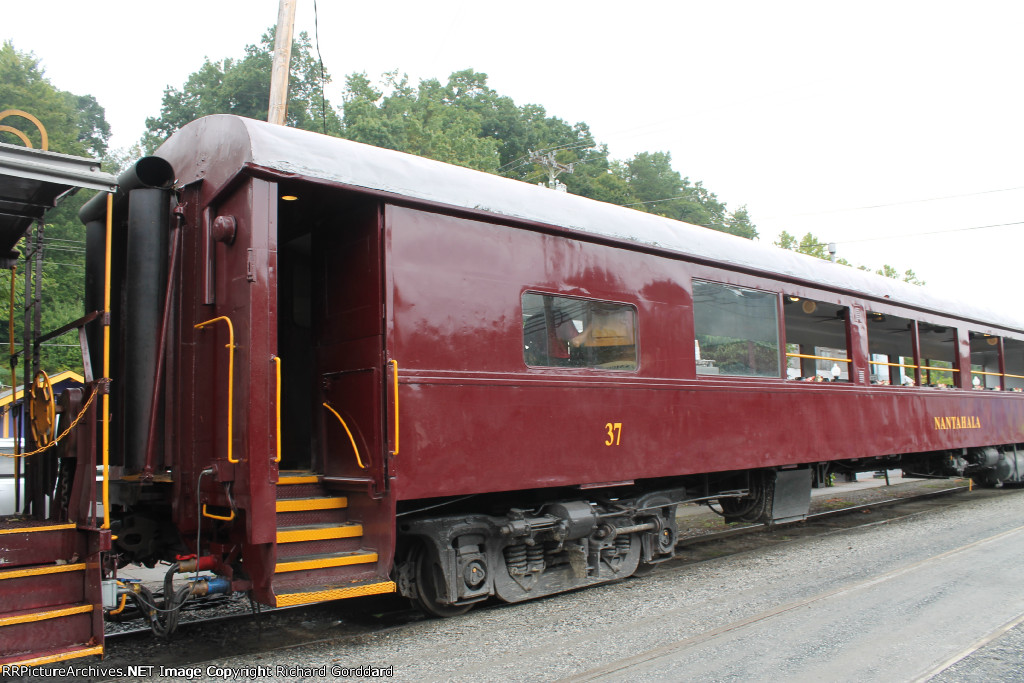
x=644 y=569
x=430 y=584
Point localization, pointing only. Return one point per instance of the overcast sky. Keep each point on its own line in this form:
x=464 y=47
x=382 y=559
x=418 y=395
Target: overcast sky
x=891 y=128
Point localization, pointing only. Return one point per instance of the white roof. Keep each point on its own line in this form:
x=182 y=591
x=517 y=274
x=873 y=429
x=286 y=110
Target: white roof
x=291 y=152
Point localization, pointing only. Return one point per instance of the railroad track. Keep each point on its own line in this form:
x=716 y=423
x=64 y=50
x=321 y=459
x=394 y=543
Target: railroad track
x=241 y=631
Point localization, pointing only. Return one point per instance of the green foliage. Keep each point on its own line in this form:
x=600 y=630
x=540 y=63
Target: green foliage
x=812 y=246
x=75 y=125
x=63 y=284
x=660 y=189
x=740 y=356
x=466 y=122
x=420 y=121
x=462 y=121
x=242 y=87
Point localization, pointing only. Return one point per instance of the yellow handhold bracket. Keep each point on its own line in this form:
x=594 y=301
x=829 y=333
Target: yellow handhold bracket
x=231 y=378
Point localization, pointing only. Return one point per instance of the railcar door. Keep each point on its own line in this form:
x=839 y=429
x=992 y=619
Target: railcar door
x=349 y=348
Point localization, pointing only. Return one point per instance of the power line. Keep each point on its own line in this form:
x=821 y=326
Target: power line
x=323 y=75
x=919 y=234
x=908 y=201
x=523 y=161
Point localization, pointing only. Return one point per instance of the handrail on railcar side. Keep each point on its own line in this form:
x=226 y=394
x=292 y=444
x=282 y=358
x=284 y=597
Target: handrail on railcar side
x=394 y=365
x=277 y=406
x=231 y=377
x=348 y=431
x=804 y=355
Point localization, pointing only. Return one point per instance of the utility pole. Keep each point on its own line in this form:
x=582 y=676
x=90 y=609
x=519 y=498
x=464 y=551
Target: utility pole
x=282 y=56
x=554 y=168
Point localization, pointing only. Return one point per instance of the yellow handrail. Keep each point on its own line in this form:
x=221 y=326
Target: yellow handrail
x=928 y=367
x=1014 y=376
x=802 y=355
x=231 y=378
x=277 y=405
x=220 y=517
x=892 y=365
x=394 y=364
x=44 y=140
x=108 y=258
x=347 y=431
x=10 y=322
x=993 y=374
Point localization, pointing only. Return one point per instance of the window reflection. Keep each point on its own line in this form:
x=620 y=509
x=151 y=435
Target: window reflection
x=737 y=330
x=566 y=332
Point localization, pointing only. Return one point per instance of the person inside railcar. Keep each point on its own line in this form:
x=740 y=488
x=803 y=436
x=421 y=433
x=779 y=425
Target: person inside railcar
x=608 y=338
x=568 y=332
x=546 y=338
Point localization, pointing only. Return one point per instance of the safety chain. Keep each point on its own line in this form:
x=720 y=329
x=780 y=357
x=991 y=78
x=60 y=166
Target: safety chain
x=53 y=443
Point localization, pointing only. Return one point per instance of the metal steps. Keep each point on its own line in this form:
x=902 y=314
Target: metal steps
x=320 y=553
x=318 y=532
x=338 y=592
x=50 y=608
x=303 y=562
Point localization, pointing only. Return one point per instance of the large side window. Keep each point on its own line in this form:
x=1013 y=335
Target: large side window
x=985 y=362
x=1013 y=352
x=891 y=349
x=561 y=331
x=815 y=340
x=938 y=355
x=737 y=330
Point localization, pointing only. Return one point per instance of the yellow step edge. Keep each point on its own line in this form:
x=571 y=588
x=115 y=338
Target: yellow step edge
x=325 y=533
x=38 y=571
x=298 y=479
x=324 y=562
x=42 y=616
x=301 y=504
x=59 y=657
x=289 y=599
x=33 y=529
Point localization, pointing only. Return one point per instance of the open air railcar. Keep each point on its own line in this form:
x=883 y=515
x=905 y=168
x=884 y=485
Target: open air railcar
x=341 y=370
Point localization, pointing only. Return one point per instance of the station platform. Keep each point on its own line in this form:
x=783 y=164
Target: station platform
x=865 y=480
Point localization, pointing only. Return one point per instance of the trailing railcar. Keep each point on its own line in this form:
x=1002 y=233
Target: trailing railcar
x=351 y=371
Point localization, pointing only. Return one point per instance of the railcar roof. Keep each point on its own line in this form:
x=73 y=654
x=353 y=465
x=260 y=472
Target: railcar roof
x=217 y=148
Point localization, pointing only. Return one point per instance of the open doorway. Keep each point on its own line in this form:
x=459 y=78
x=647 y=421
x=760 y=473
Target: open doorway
x=330 y=331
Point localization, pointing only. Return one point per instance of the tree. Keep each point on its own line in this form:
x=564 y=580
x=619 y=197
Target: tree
x=76 y=125
x=660 y=189
x=419 y=121
x=242 y=87
x=812 y=246
x=466 y=122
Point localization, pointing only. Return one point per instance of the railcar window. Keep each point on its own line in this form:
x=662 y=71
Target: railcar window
x=815 y=340
x=891 y=349
x=938 y=355
x=985 y=372
x=1013 y=353
x=564 y=332
x=737 y=330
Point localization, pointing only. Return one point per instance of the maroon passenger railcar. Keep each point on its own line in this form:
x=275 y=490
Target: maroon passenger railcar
x=374 y=373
